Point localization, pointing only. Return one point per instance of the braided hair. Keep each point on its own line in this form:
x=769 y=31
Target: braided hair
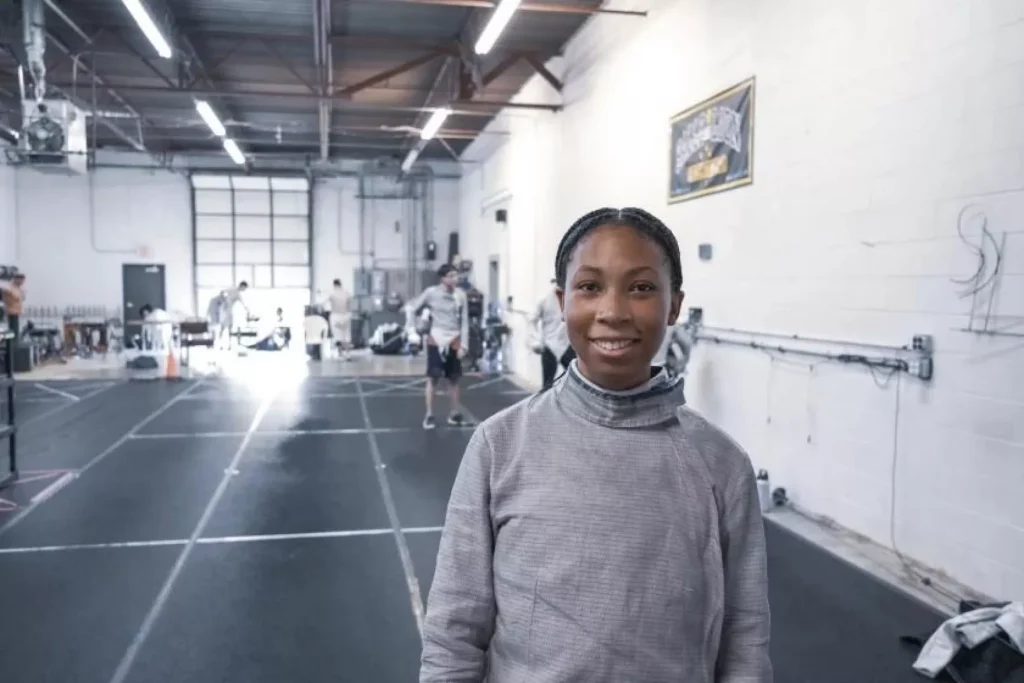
x=638 y=219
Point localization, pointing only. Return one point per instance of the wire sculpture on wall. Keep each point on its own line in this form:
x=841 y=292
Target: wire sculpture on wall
x=982 y=286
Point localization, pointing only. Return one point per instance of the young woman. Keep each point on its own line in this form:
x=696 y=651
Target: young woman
x=601 y=531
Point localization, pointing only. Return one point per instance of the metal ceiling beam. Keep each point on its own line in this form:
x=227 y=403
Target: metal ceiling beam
x=539 y=67
x=402 y=68
x=383 y=41
x=546 y=7
x=466 y=108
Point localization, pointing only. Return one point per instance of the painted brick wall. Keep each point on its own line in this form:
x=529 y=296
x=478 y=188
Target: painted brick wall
x=877 y=123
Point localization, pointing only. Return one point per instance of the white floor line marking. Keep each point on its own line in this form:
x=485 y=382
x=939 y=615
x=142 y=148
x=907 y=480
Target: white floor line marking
x=268 y=432
x=413 y=584
x=56 y=392
x=396 y=387
x=121 y=673
x=91 y=546
x=63 y=406
x=295 y=536
x=60 y=483
x=27 y=510
x=486 y=382
x=219 y=540
x=39 y=399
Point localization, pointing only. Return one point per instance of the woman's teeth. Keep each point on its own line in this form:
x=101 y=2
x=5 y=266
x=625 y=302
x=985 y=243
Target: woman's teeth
x=612 y=345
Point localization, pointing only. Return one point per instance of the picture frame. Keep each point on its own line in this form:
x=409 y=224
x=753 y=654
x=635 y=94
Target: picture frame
x=711 y=144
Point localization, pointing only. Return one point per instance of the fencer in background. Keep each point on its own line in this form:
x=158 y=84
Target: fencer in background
x=14 y=301
x=340 y=303
x=446 y=342
x=157 y=328
x=315 y=328
x=221 y=313
x=549 y=338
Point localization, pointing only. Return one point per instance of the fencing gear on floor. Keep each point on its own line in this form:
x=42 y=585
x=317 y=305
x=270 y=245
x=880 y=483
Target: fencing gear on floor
x=970 y=630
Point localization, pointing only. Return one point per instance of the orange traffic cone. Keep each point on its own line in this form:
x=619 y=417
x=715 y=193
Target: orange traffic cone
x=172 y=366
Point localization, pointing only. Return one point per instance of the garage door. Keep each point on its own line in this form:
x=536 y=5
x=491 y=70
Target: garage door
x=253 y=229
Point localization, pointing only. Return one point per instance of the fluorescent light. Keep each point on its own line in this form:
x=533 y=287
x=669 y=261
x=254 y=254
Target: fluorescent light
x=210 y=116
x=499 y=20
x=231 y=147
x=434 y=123
x=410 y=160
x=145 y=22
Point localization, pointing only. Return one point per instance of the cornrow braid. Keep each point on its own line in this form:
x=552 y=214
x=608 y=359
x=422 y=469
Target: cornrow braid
x=640 y=220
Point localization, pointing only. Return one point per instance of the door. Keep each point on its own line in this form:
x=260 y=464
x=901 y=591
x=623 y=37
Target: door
x=494 y=280
x=141 y=285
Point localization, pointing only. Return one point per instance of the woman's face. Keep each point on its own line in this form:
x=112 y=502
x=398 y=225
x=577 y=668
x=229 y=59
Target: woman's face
x=617 y=304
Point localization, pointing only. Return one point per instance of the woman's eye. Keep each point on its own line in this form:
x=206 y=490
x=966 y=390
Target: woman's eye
x=587 y=287
x=644 y=287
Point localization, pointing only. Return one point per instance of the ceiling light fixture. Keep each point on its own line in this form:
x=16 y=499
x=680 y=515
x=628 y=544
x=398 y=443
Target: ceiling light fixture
x=148 y=27
x=499 y=20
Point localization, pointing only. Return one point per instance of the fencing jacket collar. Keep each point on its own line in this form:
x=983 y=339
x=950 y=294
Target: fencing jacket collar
x=650 y=404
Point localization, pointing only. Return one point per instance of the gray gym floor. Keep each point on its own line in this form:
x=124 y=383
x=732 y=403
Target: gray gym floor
x=211 y=531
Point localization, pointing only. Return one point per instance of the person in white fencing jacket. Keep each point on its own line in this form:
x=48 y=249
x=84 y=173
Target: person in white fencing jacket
x=549 y=337
x=446 y=341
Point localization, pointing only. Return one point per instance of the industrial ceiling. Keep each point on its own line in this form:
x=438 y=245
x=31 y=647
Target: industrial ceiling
x=304 y=80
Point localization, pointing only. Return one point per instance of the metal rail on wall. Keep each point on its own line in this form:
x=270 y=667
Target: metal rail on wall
x=882 y=356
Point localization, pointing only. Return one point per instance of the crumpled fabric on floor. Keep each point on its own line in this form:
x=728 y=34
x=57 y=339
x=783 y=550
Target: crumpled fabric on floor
x=983 y=644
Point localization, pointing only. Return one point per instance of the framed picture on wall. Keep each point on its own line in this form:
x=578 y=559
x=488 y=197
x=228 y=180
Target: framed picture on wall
x=711 y=145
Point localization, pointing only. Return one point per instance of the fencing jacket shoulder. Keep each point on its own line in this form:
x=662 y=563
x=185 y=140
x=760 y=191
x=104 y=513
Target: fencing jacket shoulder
x=600 y=537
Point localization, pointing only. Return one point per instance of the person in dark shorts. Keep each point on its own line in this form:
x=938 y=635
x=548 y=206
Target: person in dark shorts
x=446 y=340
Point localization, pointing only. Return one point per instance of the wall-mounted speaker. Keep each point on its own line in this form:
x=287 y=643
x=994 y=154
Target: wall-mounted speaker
x=501 y=215
x=431 y=251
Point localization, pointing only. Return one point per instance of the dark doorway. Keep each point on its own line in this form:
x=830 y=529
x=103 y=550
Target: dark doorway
x=494 y=280
x=140 y=285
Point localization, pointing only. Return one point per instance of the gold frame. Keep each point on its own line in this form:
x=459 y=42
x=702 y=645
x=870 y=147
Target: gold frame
x=746 y=180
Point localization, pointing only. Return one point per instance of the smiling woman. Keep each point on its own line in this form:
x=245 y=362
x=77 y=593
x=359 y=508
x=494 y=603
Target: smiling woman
x=619 y=277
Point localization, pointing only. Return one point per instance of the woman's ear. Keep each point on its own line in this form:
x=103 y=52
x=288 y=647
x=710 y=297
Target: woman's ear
x=560 y=295
x=675 y=306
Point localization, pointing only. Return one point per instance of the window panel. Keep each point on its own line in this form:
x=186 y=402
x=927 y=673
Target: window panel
x=252 y=252
x=291 y=228
x=252 y=227
x=255 y=202
x=208 y=251
x=217 y=227
x=215 y=277
x=262 y=276
x=291 y=276
x=213 y=201
x=291 y=253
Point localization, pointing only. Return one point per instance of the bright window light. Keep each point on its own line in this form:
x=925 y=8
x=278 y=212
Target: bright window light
x=499 y=20
x=434 y=123
x=145 y=22
x=210 y=116
x=231 y=147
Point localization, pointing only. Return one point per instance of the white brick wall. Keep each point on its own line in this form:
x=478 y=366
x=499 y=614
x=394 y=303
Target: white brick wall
x=129 y=209
x=876 y=124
